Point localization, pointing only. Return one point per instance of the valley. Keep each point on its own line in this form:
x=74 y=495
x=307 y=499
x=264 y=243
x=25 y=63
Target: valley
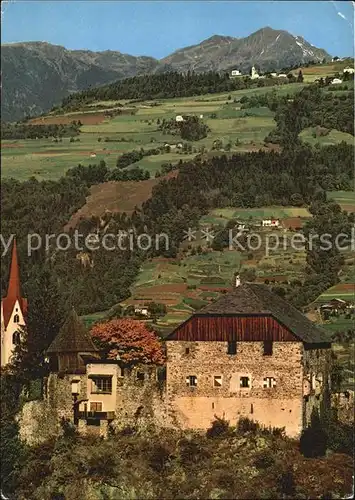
x=239 y=122
x=178 y=252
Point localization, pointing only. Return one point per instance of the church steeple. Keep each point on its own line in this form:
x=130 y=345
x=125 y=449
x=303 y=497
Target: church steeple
x=14 y=289
x=13 y=310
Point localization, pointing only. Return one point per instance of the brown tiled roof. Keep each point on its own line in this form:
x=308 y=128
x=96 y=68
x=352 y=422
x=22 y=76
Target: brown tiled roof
x=72 y=337
x=251 y=298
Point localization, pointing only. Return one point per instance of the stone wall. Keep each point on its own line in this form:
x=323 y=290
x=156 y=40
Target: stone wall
x=141 y=398
x=316 y=382
x=298 y=381
x=137 y=398
x=41 y=419
x=59 y=393
x=196 y=407
x=38 y=422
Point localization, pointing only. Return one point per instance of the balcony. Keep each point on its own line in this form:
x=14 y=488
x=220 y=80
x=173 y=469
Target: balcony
x=96 y=415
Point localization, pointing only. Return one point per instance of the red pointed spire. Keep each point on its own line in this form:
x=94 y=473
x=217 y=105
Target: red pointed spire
x=14 y=289
x=14 y=279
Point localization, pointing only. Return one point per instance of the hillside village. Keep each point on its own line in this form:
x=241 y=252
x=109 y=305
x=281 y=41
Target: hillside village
x=171 y=324
x=254 y=75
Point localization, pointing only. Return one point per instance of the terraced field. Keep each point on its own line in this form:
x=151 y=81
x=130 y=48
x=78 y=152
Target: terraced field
x=221 y=216
x=334 y=137
x=322 y=71
x=105 y=138
x=346 y=199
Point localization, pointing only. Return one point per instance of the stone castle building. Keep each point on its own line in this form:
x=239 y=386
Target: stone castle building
x=13 y=311
x=249 y=354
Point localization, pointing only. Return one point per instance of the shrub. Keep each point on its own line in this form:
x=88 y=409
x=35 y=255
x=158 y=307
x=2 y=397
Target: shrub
x=127 y=431
x=190 y=451
x=340 y=437
x=69 y=429
x=219 y=427
x=264 y=460
x=226 y=480
x=158 y=457
x=287 y=484
x=102 y=462
x=247 y=425
x=313 y=441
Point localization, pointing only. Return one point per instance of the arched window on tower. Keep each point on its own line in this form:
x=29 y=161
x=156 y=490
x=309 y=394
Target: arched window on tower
x=16 y=318
x=16 y=338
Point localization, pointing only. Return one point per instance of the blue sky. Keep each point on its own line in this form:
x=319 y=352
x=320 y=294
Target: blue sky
x=158 y=28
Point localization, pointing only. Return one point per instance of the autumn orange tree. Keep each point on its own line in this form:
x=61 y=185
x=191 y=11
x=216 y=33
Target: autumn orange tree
x=128 y=340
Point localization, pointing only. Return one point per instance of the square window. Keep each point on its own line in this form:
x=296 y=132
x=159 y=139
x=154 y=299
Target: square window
x=244 y=382
x=187 y=350
x=140 y=376
x=101 y=384
x=268 y=347
x=95 y=406
x=217 y=381
x=232 y=347
x=191 y=381
x=269 y=382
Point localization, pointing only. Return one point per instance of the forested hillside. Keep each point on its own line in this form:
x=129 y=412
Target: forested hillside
x=244 y=180
x=171 y=84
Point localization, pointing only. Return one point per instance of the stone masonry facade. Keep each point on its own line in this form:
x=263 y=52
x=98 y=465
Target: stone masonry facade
x=282 y=390
x=274 y=394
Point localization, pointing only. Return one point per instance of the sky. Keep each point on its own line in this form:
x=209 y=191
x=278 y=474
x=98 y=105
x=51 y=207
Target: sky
x=157 y=28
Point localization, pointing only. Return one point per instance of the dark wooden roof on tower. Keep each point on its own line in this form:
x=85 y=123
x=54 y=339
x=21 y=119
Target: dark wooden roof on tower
x=251 y=311
x=72 y=337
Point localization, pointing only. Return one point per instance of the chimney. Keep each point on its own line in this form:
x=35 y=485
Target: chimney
x=237 y=280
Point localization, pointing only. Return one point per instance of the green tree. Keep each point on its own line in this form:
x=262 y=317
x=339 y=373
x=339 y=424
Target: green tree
x=156 y=309
x=300 y=77
x=46 y=314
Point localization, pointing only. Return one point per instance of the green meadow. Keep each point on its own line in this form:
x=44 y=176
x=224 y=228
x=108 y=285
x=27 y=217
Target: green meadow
x=45 y=159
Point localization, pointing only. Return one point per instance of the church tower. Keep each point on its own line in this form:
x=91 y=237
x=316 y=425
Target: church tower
x=13 y=311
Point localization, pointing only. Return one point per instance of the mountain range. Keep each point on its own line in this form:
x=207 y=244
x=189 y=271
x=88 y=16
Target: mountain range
x=37 y=75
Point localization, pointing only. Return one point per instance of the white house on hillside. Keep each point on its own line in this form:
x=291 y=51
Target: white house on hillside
x=270 y=223
x=336 y=81
x=236 y=72
x=179 y=118
x=254 y=73
x=349 y=70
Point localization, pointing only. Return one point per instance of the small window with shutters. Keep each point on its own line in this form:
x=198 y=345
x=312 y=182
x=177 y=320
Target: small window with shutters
x=244 y=382
x=269 y=383
x=16 y=318
x=191 y=381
